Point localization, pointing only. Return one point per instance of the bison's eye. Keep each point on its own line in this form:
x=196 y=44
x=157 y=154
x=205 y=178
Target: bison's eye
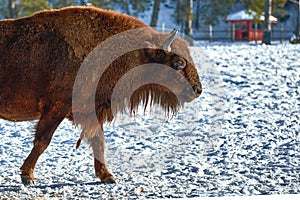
x=179 y=65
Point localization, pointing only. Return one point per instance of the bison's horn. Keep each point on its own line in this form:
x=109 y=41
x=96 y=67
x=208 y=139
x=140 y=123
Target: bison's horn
x=167 y=44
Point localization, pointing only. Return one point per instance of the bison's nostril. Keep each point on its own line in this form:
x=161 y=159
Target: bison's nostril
x=197 y=89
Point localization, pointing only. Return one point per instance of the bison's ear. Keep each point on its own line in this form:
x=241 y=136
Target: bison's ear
x=167 y=44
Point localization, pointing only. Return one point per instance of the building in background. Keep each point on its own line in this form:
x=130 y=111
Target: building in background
x=245 y=26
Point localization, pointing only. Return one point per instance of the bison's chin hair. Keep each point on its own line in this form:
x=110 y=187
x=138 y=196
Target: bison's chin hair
x=155 y=95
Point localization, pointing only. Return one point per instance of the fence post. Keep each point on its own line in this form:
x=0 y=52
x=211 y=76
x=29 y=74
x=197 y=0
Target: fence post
x=232 y=32
x=255 y=33
x=210 y=33
x=281 y=32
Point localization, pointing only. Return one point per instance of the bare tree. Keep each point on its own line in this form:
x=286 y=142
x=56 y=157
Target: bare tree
x=189 y=12
x=155 y=13
x=10 y=8
x=297 y=31
x=267 y=24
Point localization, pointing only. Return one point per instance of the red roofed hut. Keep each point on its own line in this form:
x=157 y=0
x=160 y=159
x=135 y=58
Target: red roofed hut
x=247 y=25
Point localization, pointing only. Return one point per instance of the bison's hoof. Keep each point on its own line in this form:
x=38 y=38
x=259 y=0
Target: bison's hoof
x=109 y=180
x=27 y=181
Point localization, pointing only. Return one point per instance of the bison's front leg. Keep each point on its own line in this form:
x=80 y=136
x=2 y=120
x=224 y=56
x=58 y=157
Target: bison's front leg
x=98 y=144
x=46 y=126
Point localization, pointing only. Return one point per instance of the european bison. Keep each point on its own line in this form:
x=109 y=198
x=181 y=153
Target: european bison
x=41 y=56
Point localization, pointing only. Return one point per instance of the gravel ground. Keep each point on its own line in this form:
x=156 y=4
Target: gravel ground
x=240 y=138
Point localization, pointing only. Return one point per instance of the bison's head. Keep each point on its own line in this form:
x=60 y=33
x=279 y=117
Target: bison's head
x=173 y=74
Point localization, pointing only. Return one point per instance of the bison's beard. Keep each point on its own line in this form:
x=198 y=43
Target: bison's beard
x=152 y=95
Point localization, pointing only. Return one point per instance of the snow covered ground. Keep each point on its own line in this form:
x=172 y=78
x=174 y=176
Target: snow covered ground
x=241 y=137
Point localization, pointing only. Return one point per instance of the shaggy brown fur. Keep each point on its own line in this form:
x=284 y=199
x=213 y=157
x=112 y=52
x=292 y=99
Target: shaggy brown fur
x=39 y=60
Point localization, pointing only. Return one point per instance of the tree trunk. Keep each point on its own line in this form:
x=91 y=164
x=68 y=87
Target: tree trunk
x=297 y=31
x=127 y=7
x=188 y=27
x=197 y=19
x=10 y=7
x=267 y=24
x=155 y=13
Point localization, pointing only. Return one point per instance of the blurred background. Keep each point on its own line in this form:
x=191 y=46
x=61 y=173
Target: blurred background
x=200 y=19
